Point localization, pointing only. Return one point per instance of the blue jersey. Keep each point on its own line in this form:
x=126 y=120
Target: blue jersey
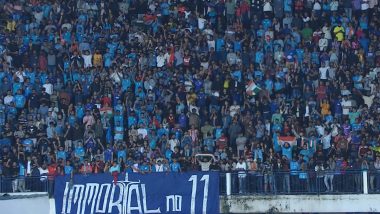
x=68 y=170
x=19 y=101
x=175 y=167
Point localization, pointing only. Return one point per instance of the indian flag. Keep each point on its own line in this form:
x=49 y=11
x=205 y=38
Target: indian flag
x=287 y=139
x=252 y=88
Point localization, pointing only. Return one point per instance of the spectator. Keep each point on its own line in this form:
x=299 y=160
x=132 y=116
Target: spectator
x=101 y=87
x=242 y=167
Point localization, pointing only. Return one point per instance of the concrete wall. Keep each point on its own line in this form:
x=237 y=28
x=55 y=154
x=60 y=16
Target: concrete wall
x=32 y=204
x=300 y=203
x=39 y=203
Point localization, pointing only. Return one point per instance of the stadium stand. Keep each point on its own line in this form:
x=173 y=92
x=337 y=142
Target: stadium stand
x=281 y=92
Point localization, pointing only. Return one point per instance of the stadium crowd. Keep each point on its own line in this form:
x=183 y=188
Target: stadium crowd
x=96 y=86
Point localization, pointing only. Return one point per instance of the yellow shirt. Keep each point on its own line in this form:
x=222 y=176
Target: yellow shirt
x=11 y=25
x=339 y=33
x=98 y=59
x=192 y=98
x=226 y=84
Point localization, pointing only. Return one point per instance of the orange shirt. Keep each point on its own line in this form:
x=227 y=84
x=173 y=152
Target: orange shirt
x=325 y=108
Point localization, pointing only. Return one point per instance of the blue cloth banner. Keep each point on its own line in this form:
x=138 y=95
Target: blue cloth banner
x=192 y=193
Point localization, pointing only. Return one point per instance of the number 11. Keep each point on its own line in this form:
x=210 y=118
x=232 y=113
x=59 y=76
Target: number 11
x=194 y=179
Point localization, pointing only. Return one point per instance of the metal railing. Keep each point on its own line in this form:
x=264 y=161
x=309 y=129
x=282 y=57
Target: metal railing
x=249 y=183
x=308 y=183
x=24 y=184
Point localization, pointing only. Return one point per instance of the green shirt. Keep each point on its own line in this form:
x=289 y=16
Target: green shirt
x=307 y=33
x=277 y=117
x=353 y=116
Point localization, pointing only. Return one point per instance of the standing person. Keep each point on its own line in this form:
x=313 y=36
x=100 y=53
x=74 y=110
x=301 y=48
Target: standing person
x=159 y=167
x=43 y=174
x=357 y=166
x=115 y=170
x=294 y=180
x=204 y=161
x=329 y=176
x=175 y=166
x=303 y=176
x=377 y=171
x=21 y=177
x=14 y=175
x=286 y=177
x=319 y=169
x=28 y=168
x=242 y=167
x=52 y=173
x=34 y=179
x=268 y=177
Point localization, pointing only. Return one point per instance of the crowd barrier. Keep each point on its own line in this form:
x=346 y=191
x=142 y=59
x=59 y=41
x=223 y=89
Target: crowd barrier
x=309 y=182
x=24 y=184
x=249 y=183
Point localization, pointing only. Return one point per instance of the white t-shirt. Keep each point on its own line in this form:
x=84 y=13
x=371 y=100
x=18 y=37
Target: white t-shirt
x=241 y=167
x=159 y=168
x=211 y=44
x=323 y=73
x=267 y=7
x=160 y=61
x=48 y=88
x=205 y=166
x=8 y=99
x=326 y=141
x=234 y=109
x=346 y=105
x=327 y=32
x=365 y=5
x=173 y=143
x=87 y=60
x=320 y=130
x=317 y=6
x=43 y=173
x=20 y=75
x=201 y=23
x=143 y=132
x=322 y=43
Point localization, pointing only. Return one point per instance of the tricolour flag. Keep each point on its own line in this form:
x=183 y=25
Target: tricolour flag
x=287 y=139
x=252 y=88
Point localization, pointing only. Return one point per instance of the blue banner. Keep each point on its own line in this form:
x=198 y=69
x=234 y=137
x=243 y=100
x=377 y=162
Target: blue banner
x=183 y=193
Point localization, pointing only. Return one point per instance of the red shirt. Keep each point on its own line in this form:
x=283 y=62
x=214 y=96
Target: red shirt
x=222 y=142
x=106 y=100
x=52 y=171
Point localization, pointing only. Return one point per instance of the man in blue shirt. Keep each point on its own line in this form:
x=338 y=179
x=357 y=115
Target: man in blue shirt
x=294 y=168
x=21 y=178
x=68 y=168
x=20 y=100
x=175 y=166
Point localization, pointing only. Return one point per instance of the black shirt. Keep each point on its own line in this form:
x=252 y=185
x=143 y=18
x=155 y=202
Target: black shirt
x=34 y=101
x=77 y=134
x=45 y=99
